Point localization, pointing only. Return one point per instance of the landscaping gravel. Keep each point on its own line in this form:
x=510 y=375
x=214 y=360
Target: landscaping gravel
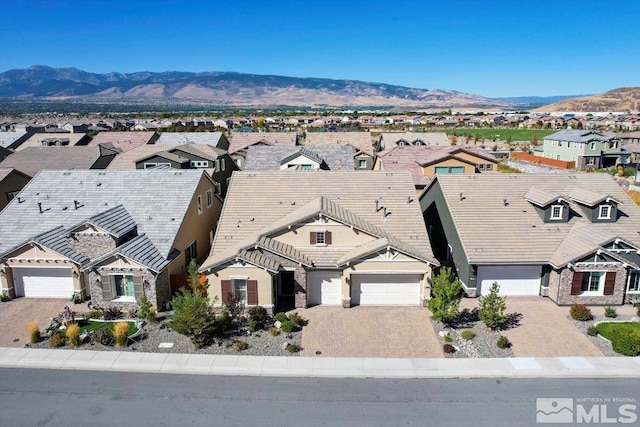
x=603 y=344
x=484 y=344
x=261 y=343
x=527 y=167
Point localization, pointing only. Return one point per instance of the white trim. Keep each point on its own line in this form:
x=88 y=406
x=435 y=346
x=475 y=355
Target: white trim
x=388 y=272
x=608 y=209
x=554 y=217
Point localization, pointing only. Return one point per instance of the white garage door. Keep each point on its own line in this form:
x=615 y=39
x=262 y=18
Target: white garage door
x=385 y=289
x=323 y=287
x=43 y=282
x=513 y=280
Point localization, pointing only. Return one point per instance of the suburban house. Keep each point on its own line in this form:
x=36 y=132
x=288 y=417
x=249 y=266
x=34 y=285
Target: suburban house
x=572 y=238
x=241 y=141
x=305 y=238
x=389 y=140
x=215 y=139
x=215 y=161
x=304 y=158
x=587 y=148
x=52 y=140
x=112 y=236
x=361 y=141
x=124 y=141
x=13 y=138
x=424 y=162
x=11 y=182
x=33 y=159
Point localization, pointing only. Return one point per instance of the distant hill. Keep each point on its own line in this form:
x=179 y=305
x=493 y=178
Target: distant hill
x=625 y=99
x=223 y=89
x=535 y=100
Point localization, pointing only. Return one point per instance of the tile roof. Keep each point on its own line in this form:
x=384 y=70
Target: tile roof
x=123 y=141
x=54 y=239
x=36 y=139
x=361 y=141
x=578 y=136
x=209 y=138
x=540 y=197
x=260 y=157
x=253 y=210
x=242 y=140
x=33 y=159
x=143 y=193
x=492 y=231
x=8 y=138
x=139 y=249
x=391 y=139
x=587 y=197
x=127 y=160
x=115 y=221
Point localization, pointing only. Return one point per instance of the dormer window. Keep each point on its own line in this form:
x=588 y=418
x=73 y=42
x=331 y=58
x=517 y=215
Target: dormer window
x=593 y=146
x=556 y=212
x=320 y=238
x=604 y=212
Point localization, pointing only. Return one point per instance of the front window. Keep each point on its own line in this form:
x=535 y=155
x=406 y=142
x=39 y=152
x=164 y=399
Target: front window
x=489 y=167
x=199 y=205
x=592 y=146
x=604 y=212
x=320 y=238
x=362 y=164
x=124 y=286
x=556 y=211
x=592 y=281
x=191 y=252
x=209 y=197
x=240 y=289
x=634 y=281
x=306 y=167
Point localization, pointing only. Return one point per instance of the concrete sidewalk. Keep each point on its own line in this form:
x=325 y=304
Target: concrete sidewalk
x=328 y=367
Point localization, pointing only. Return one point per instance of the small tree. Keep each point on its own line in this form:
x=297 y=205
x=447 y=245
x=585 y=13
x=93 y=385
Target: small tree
x=446 y=293
x=193 y=278
x=492 y=308
x=193 y=317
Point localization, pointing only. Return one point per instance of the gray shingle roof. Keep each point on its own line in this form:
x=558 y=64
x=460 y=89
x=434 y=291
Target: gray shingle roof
x=141 y=250
x=492 y=232
x=166 y=155
x=578 y=136
x=253 y=210
x=260 y=157
x=242 y=140
x=115 y=221
x=33 y=159
x=8 y=138
x=54 y=239
x=209 y=138
x=156 y=200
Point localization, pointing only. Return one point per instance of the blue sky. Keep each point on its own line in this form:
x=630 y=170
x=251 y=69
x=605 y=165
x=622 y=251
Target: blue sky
x=492 y=48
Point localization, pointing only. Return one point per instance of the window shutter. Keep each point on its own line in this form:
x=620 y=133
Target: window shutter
x=312 y=238
x=137 y=287
x=576 y=284
x=609 y=282
x=252 y=292
x=327 y=237
x=107 y=295
x=227 y=292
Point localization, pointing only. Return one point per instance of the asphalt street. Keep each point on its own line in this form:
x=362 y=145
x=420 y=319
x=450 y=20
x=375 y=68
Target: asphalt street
x=40 y=397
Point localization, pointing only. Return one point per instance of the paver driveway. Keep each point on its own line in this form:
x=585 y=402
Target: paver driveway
x=544 y=330
x=17 y=313
x=369 y=332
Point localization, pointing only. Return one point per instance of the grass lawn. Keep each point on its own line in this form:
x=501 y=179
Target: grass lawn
x=93 y=325
x=501 y=134
x=606 y=329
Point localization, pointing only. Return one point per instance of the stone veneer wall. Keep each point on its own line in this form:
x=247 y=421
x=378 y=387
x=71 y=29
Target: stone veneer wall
x=149 y=290
x=299 y=275
x=91 y=245
x=561 y=281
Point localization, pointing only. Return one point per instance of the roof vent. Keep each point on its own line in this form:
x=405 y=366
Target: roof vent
x=77 y=205
x=42 y=210
x=20 y=200
x=505 y=202
x=462 y=197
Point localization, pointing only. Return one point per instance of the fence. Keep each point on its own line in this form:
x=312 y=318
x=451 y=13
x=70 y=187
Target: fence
x=542 y=160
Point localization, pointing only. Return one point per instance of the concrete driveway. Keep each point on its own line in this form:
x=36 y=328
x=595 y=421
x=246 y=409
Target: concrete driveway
x=544 y=329
x=17 y=313
x=369 y=332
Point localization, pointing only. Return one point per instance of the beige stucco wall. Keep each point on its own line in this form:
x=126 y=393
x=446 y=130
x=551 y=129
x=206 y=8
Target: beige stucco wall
x=34 y=253
x=430 y=170
x=264 y=278
x=120 y=262
x=196 y=227
x=341 y=235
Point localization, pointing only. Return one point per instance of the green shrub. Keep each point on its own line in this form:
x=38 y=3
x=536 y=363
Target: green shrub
x=288 y=326
x=58 y=339
x=274 y=331
x=448 y=349
x=447 y=338
x=492 y=308
x=297 y=319
x=281 y=317
x=103 y=336
x=73 y=335
x=610 y=312
x=241 y=346
x=4 y=298
x=467 y=334
x=144 y=306
x=293 y=348
x=259 y=315
x=626 y=342
x=592 y=331
x=94 y=314
x=34 y=331
x=446 y=293
x=151 y=315
x=580 y=312
x=228 y=343
x=254 y=326
x=503 y=342
x=194 y=317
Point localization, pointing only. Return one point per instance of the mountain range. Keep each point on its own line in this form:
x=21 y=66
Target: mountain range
x=624 y=99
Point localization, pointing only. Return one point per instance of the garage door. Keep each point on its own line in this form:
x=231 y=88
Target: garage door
x=324 y=288
x=43 y=282
x=385 y=289
x=513 y=280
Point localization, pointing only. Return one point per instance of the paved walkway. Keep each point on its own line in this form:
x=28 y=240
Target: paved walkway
x=544 y=330
x=16 y=314
x=329 y=367
x=369 y=332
